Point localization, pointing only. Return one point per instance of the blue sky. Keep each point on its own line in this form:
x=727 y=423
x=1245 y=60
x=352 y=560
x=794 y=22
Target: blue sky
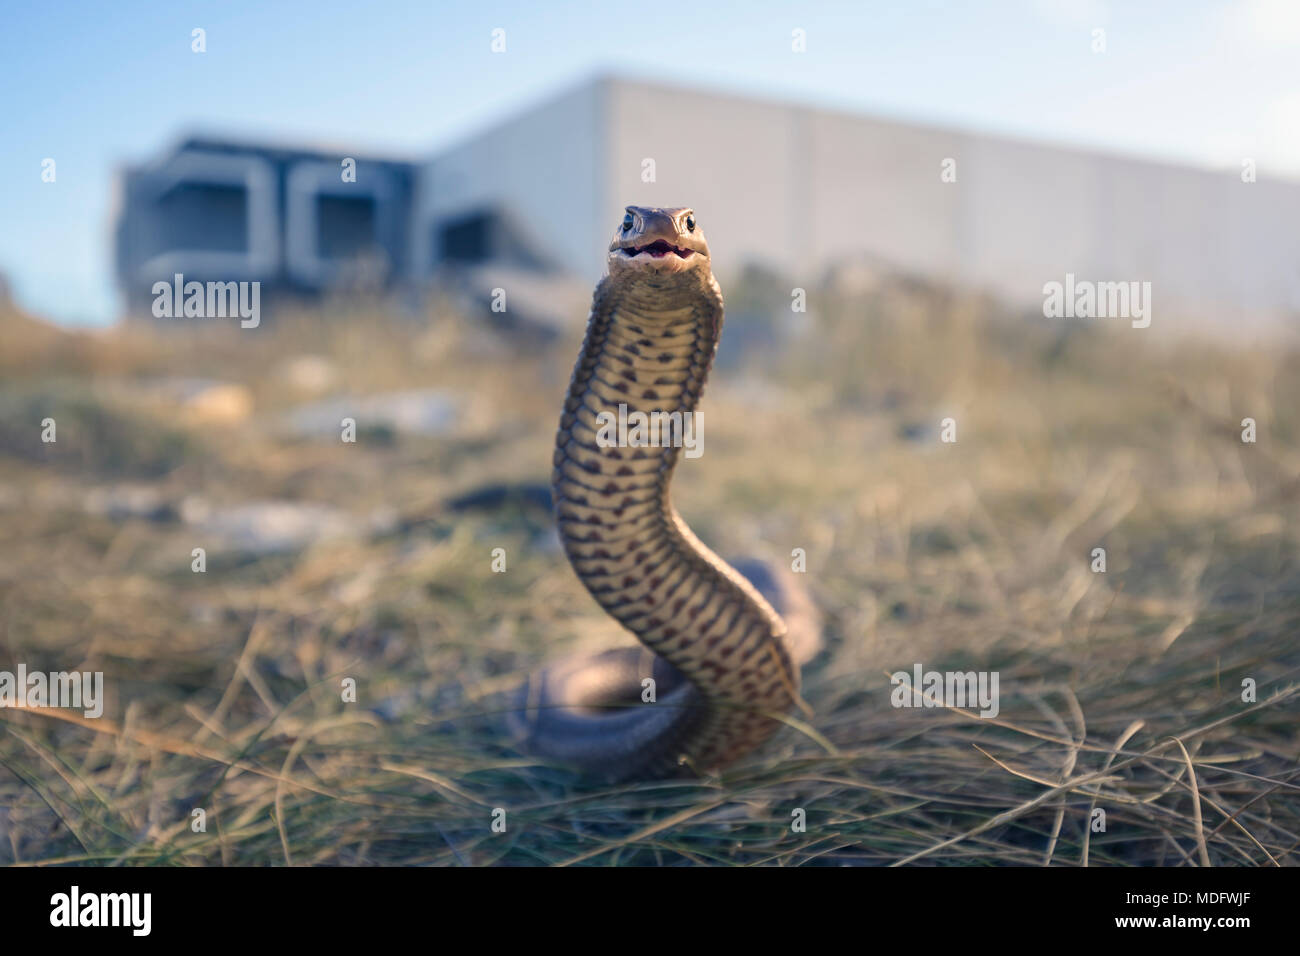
x=96 y=84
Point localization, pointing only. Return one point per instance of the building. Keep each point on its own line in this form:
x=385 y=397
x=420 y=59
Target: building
x=299 y=221
x=789 y=187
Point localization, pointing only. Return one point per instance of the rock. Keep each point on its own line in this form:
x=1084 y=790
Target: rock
x=222 y=404
x=309 y=374
x=427 y=412
x=273 y=527
x=201 y=401
x=124 y=502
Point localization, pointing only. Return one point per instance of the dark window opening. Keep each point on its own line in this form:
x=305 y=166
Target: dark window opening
x=466 y=240
x=345 y=227
x=203 y=217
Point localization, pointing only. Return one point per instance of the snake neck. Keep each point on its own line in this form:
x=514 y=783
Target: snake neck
x=649 y=346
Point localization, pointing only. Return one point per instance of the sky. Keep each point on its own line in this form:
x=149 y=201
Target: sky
x=95 y=85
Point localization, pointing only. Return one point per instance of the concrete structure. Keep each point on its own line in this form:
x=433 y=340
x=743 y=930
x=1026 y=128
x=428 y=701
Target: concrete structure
x=219 y=210
x=799 y=190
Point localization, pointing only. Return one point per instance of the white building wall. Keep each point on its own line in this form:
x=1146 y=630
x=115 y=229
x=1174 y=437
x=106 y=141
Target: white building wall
x=876 y=189
x=544 y=167
x=798 y=189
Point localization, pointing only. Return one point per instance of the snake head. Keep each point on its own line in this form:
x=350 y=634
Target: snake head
x=651 y=240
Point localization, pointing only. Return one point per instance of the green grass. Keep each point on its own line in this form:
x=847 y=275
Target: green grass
x=1120 y=691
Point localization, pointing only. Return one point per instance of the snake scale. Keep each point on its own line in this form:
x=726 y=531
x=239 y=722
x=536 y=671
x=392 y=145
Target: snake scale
x=724 y=666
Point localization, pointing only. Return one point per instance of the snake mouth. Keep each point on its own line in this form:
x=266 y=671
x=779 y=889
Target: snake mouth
x=657 y=250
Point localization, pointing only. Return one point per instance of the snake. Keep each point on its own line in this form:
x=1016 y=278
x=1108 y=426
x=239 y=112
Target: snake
x=718 y=669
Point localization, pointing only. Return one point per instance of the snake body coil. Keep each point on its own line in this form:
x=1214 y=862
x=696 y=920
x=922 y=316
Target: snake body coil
x=719 y=653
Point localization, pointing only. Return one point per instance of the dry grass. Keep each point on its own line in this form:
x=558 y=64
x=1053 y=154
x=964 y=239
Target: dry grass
x=1120 y=691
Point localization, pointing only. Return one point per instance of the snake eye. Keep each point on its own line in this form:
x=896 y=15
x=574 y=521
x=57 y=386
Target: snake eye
x=627 y=222
x=690 y=223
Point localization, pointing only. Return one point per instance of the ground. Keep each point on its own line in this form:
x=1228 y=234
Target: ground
x=328 y=562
